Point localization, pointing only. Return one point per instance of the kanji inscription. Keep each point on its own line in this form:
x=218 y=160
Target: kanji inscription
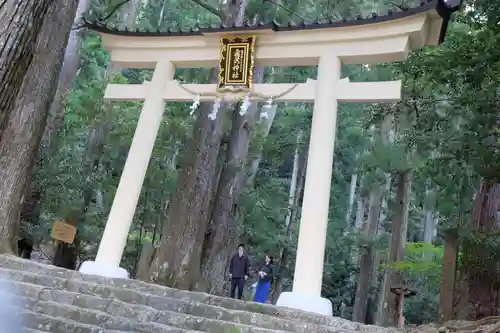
x=236 y=63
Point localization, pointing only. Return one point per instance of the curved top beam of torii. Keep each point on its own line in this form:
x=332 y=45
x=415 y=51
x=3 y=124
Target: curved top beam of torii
x=370 y=40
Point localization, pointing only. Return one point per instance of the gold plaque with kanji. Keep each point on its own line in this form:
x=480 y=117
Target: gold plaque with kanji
x=236 y=63
x=64 y=232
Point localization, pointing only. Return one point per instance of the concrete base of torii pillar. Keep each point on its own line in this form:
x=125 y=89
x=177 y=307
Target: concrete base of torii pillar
x=104 y=270
x=305 y=302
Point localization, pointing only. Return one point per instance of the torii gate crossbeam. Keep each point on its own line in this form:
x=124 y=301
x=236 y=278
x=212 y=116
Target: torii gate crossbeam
x=373 y=92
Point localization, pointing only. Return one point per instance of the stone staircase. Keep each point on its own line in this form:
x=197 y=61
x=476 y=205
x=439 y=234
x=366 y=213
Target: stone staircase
x=51 y=299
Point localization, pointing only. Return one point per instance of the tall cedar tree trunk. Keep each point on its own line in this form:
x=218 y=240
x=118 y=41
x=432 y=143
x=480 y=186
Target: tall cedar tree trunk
x=55 y=121
x=387 y=313
x=447 y=290
x=359 y=218
x=294 y=196
x=67 y=76
x=481 y=254
x=387 y=136
x=367 y=255
x=381 y=255
x=222 y=235
x=352 y=195
x=222 y=240
x=361 y=205
x=177 y=260
x=453 y=292
x=20 y=24
x=24 y=129
x=429 y=221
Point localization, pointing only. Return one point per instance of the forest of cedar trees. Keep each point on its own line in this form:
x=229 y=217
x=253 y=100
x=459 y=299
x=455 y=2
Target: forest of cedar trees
x=415 y=195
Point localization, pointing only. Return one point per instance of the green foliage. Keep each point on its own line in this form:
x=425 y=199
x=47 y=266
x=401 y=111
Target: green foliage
x=421 y=260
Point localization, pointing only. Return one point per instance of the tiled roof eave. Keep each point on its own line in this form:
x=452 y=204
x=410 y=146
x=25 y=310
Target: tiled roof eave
x=427 y=5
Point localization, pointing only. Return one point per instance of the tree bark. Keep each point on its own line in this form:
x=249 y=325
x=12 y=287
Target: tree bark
x=387 y=313
x=222 y=240
x=55 y=121
x=480 y=254
x=20 y=24
x=385 y=201
x=360 y=217
x=387 y=135
x=447 y=290
x=429 y=221
x=66 y=78
x=24 y=129
x=147 y=253
x=352 y=196
x=367 y=255
x=179 y=251
x=360 y=208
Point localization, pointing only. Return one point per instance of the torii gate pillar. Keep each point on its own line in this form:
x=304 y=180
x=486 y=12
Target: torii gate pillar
x=120 y=219
x=308 y=276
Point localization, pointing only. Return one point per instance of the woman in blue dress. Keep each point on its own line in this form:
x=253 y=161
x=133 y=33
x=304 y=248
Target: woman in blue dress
x=264 y=283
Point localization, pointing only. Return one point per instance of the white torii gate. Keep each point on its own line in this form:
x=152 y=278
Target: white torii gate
x=369 y=41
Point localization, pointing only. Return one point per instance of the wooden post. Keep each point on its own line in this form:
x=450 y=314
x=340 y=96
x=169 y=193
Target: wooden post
x=402 y=292
x=401 y=303
x=63 y=235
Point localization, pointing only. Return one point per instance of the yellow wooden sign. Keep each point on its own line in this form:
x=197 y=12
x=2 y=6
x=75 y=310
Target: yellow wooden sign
x=64 y=232
x=236 y=63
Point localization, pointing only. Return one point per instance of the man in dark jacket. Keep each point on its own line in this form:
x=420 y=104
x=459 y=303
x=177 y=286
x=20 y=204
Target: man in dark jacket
x=238 y=271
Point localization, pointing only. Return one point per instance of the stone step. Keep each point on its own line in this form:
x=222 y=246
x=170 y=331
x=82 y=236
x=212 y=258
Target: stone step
x=185 y=310
x=35 y=285
x=112 y=314
x=140 y=287
x=51 y=289
x=49 y=316
x=38 y=323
